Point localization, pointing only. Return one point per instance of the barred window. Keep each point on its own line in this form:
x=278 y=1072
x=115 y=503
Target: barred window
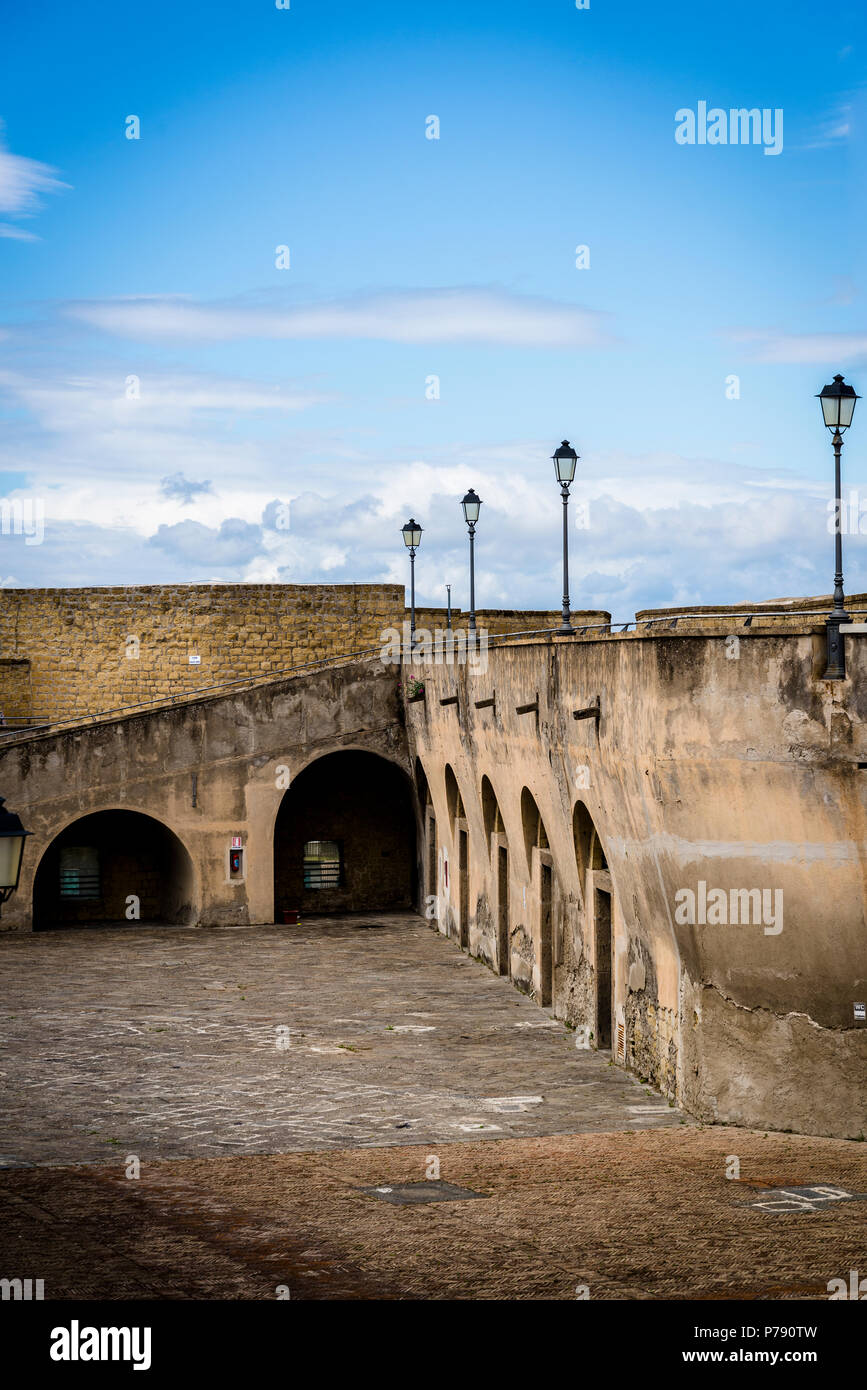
x=79 y=872
x=323 y=864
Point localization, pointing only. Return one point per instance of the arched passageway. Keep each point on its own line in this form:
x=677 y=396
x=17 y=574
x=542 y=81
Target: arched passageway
x=115 y=867
x=344 y=838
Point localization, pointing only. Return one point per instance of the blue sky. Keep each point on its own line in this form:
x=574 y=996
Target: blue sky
x=411 y=258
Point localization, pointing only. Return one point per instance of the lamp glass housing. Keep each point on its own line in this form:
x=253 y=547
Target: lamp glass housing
x=471 y=504
x=838 y=404
x=565 y=459
x=412 y=534
x=12 y=837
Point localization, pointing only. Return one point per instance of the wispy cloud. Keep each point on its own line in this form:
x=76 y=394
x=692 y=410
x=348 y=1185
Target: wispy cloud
x=821 y=349
x=16 y=233
x=468 y=315
x=835 y=128
x=22 y=182
x=152 y=399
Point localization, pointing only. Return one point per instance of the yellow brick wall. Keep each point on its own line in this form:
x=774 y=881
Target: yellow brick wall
x=77 y=640
x=15 y=701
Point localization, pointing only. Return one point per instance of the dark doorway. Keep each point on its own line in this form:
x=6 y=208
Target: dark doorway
x=546 y=883
x=464 y=865
x=604 y=1001
x=361 y=807
x=113 y=867
x=503 y=948
x=431 y=857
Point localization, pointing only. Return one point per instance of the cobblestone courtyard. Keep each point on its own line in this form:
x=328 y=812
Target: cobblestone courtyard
x=258 y=1159
x=173 y=1043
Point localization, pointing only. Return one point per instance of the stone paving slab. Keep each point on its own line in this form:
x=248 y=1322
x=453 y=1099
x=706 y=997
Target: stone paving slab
x=170 y=1042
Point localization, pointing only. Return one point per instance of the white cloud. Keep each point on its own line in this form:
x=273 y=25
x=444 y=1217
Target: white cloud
x=411 y=316
x=662 y=528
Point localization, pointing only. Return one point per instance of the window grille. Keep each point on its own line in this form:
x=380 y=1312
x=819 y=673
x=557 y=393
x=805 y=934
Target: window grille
x=323 y=864
x=79 y=872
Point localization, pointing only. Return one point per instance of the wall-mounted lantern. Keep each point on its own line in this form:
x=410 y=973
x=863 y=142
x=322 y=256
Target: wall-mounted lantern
x=12 y=837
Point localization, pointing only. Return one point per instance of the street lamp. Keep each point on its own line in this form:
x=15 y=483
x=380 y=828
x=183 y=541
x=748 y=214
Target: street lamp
x=565 y=459
x=412 y=540
x=12 y=836
x=838 y=406
x=471 y=504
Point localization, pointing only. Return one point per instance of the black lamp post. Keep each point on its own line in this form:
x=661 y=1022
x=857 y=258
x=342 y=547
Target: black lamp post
x=411 y=533
x=12 y=836
x=471 y=504
x=565 y=459
x=838 y=406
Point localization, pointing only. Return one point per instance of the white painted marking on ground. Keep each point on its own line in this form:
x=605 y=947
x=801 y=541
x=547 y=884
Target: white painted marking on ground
x=518 y=1100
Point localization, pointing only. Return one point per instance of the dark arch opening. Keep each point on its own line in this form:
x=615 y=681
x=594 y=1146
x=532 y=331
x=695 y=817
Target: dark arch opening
x=588 y=847
x=421 y=785
x=490 y=810
x=344 y=838
x=533 y=826
x=93 y=868
x=453 y=794
x=598 y=907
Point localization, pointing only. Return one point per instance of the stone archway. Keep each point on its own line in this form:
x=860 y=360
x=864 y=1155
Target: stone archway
x=344 y=838
x=114 y=867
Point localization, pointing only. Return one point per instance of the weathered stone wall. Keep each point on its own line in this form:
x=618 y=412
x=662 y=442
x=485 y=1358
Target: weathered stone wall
x=734 y=766
x=501 y=620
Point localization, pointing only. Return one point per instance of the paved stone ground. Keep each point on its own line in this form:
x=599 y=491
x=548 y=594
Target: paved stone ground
x=633 y=1214
x=164 y=1042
